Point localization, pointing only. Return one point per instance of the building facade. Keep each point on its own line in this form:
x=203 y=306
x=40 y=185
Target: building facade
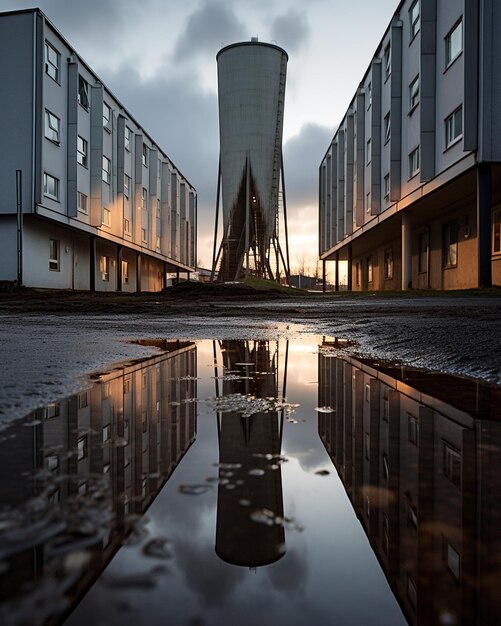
x=410 y=192
x=89 y=200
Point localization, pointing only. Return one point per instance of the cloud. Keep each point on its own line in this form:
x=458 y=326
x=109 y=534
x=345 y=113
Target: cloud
x=213 y=24
x=290 y=30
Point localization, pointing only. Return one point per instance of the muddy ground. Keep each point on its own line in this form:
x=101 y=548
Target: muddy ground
x=50 y=342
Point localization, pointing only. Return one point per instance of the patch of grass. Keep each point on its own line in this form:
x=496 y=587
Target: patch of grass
x=261 y=284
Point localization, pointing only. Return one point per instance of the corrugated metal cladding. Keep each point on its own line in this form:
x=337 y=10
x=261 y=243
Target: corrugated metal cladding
x=251 y=82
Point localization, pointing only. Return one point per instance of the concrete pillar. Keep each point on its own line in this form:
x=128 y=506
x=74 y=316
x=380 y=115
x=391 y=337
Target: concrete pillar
x=138 y=272
x=350 y=272
x=336 y=279
x=406 y=251
x=92 y=264
x=119 y=267
x=323 y=276
x=484 y=224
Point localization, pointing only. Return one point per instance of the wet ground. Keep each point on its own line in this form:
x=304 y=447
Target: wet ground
x=278 y=462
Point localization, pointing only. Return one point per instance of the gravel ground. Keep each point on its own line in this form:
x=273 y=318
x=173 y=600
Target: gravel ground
x=49 y=346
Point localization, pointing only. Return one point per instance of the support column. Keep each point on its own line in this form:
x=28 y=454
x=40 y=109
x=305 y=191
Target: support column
x=323 y=277
x=336 y=279
x=92 y=264
x=406 y=251
x=484 y=224
x=350 y=273
x=138 y=272
x=119 y=268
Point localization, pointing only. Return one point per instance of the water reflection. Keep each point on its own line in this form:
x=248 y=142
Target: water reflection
x=81 y=472
x=250 y=525
x=419 y=457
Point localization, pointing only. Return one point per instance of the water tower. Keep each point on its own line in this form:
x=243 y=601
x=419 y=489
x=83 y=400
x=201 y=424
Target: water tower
x=251 y=87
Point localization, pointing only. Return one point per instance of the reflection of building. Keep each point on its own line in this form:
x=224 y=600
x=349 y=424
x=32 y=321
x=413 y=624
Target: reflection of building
x=103 y=207
x=248 y=483
x=251 y=86
x=100 y=457
x=419 y=457
x=410 y=192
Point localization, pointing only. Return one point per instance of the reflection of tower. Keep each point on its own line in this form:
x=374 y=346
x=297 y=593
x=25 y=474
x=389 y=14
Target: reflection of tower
x=250 y=479
x=251 y=84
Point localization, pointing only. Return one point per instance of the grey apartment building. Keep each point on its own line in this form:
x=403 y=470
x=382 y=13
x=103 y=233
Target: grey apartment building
x=88 y=199
x=410 y=186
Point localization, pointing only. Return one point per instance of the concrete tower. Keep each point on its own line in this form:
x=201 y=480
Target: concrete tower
x=251 y=85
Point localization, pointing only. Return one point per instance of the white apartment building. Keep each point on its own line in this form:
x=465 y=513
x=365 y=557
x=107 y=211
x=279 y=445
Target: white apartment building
x=88 y=200
x=410 y=186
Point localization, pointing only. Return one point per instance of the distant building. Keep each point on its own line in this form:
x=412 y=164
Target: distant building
x=410 y=187
x=103 y=206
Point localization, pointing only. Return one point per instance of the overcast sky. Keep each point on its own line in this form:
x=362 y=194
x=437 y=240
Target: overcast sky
x=158 y=58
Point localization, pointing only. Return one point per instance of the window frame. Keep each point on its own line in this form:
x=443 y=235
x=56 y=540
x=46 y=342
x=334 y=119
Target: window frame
x=83 y=93
x=106 y=119
x=46 y=193
x=82 y=154
x=127 y=226
x=450 y=244
x=386 y=185
x=388 y=264
x=127 y=184
x=368 y=153
x=387 y=61
x=370 y=270
x=104 y=268
x=56 y=69
x=106 y=171
x=449 y=60
x=48 y=126
x=54 y=259
x=387 y=127
x=496 y=231
x=144 y=155
x=450 y=124
x=80 y=208
x=414 y=94
x=127 y=138
x=144 y=199
x=423 y=252
x=414 y=162
x=414 y=22
x=106 y=221
x=125 y=272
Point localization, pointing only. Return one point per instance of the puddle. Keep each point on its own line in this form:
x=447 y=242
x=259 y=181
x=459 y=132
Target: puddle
x=215 y=480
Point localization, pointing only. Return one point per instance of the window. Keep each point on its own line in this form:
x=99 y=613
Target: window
x=367 y=446
x=387 y=128
x=144 y=235
x=106 y=115
x=82 y=151
x=450 y=244
x=51 y=126
x=106 y=217
x=414 y=162
x=454 y=43
x=82 y=448
x=369 y=269
x=106 y=173
x=368 y=202
x=454 y=127
x=127 y=385
x=144 y=198
x=145 y=155
x=423 y=252
x=83 y=92
x=411 y=590
x=125 y=271
x=50 y=186
x=126 y=185
x=52 y=62
x=414 y=94
x=414 y=19
x=367 y=392
x=386 y=467
x=54 y=255
x=368 y=151
x=412 y=429
x=104 y=267
x=386 y=533
x=127 y=138
x=386 y=409
x=412 y=516
x=52 y=462
x=388 y=264
x=158 y=247
x=452 y=464
x=386 y=185
x=83 y=400
x=82 y=204
x=127 y=226
x=106 y=433
x=496 y=232
x=51 y=411
x=358 y=273
x=387 y=61
x=452 y=559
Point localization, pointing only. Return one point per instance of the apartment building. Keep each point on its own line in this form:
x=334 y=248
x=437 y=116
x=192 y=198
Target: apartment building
x=418 y=459
x=410 y=186
x=89 y=200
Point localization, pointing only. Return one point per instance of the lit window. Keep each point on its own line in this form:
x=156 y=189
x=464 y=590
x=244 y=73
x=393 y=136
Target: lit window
x=454 y=127
x=414 y=19
x=51 y=126
x=126 y=226
x=126 y=185
x=54 y=255
x=51 y=186
x=412 y=429
x=454 y=43
x=82 y=202
x=387 y=128
x=414 y=162
x=106 y=173
x=423 y=252
x=450 y=244
x=83 y=92
x=127 y=138
x=82 y=151
x=369 y=270
x=414 y=94
x=496 y=232
x=52 y=61
x=125 y=271
x=452 y=464
x=386 y=183
x=106 y=115
x=387 y=61
x=388 y=264
x=106 y=217
x=104 y=267
x=144 y=198
x=145 y=155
